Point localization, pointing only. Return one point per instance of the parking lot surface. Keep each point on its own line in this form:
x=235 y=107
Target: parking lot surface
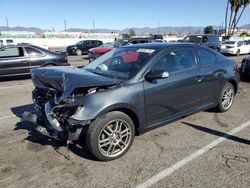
x=175 y=155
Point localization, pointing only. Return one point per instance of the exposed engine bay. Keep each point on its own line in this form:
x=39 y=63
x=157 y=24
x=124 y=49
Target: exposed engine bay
x=57 y=103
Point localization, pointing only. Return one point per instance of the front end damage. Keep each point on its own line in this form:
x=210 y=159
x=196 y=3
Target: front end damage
x=56 y=111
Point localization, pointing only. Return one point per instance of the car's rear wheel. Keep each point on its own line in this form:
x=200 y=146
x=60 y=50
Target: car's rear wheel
x=78 y=52
x=226 y=98
x=110 y=136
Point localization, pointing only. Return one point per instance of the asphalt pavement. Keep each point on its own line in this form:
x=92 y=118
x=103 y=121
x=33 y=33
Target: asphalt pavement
x=207 y=149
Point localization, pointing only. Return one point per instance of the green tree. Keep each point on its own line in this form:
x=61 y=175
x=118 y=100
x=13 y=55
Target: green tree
x=131 y=32
x=209 y=30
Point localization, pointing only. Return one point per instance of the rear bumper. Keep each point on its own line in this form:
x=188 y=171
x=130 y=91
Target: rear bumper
x=227 y=51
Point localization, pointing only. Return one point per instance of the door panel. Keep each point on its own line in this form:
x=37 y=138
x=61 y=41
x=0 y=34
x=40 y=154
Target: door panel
x=13 y=61
x=166 y=98
x=213 y=75
x=179 y=93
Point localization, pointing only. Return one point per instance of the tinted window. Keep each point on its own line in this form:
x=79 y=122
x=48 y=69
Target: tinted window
x=32 y=52
x=206 y=57
x=9 y=41
x=143 y=41
x=87 y=42
x=1 y=43
x=133 y=42
x=177 y=60
x=99 y=42
x=11 y=52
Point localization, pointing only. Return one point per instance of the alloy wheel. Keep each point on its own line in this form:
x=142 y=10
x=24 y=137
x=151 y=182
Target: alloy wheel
x=114 y=138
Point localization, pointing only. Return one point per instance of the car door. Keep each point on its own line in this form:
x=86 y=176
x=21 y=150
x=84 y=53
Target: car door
x=36 y=57
x=13 y=61
x=86 y=46
x=179 y=93
x=212 y=73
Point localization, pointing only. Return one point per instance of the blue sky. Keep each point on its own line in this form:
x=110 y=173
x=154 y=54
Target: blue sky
x=114 y=14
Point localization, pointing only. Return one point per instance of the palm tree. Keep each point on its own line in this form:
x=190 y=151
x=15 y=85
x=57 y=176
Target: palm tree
x=232 y=8
x=235 y=6
x=245 y=3
x=226 y=16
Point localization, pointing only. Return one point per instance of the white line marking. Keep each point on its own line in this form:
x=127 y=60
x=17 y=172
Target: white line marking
x=151 y=181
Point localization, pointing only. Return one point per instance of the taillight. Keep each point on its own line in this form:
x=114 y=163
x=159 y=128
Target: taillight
x=49 y=49
x=66 y=58
x=237 y=67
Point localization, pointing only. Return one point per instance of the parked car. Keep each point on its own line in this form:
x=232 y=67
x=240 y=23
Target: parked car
x=235 y=47
x=94 y=53
x=83 y=46
x=19 y=59
x=130 y=90
x=211 y=41
x=245 y=68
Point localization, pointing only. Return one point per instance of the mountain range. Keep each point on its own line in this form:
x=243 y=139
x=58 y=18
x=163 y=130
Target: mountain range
x=138 y=31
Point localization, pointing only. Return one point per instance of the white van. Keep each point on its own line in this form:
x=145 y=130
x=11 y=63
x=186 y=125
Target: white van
x=4 y=42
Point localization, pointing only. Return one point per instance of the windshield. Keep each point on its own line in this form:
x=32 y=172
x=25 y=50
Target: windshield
x=80 y=42
x=120 y=43
x=121 y=63
x=193 y=39
x=228 y=42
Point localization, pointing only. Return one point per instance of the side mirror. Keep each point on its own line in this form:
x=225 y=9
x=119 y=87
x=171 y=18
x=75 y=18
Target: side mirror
x=156 y=74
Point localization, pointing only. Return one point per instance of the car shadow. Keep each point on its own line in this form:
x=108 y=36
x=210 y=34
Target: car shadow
x=218 y=133
x=19 y=110
x=11 y=78
x=34 y=136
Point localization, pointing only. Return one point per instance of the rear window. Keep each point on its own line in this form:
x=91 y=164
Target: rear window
x=11 y=52
x=193 y=39
x=32 y=52
x=206 y=57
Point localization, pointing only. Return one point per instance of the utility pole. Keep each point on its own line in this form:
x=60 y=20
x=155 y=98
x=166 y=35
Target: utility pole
x=7 y=23
x=93 y=26
x=65 y=25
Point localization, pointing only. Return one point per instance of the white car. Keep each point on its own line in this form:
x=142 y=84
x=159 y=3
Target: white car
x=235 y=47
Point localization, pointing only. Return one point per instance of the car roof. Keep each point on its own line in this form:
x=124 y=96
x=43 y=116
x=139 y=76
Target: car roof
x=209 y=35
x=138 y=38
x=160 y=45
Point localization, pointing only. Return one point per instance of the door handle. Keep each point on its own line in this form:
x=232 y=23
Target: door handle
x=219 y=74
x=199 y=78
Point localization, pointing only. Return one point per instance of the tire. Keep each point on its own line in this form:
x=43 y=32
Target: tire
x=238 y=53
x=110 y=136
x=226 y=96
x=78 y=52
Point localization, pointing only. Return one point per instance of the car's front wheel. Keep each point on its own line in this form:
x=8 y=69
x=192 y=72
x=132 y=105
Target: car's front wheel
x=78 y=52
x=110 y=136
x=226 y=98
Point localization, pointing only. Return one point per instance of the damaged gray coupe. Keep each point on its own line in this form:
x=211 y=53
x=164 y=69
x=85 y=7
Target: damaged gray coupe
x=128 y=91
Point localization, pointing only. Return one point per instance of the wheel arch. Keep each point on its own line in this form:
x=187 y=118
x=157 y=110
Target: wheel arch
x=234 y=83
x=132 y=115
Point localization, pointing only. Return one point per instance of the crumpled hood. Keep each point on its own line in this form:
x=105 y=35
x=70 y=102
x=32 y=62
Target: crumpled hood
x=67 y=79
